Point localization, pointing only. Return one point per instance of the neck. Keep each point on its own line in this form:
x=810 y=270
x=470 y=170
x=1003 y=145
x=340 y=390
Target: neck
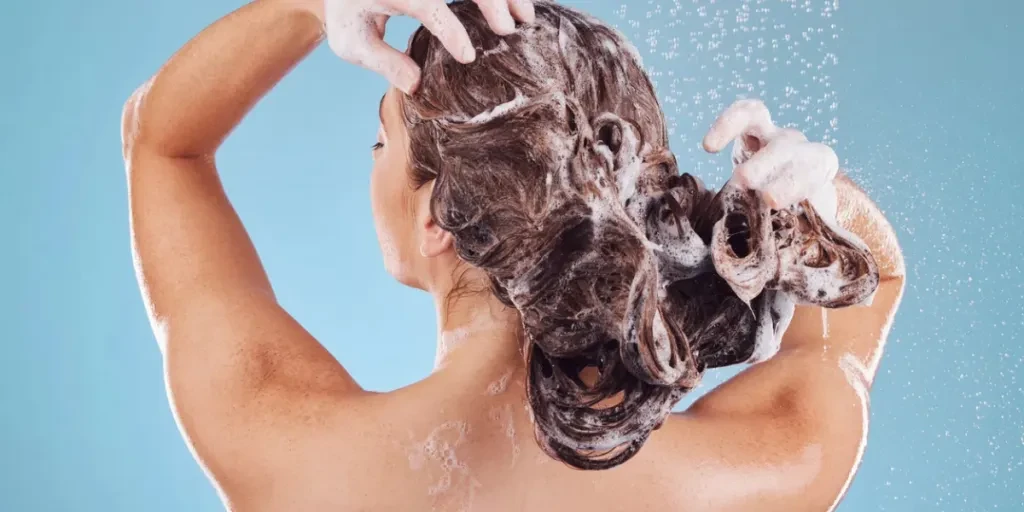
x=477 y=334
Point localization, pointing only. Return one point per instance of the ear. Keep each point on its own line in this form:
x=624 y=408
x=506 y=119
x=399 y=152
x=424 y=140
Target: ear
x=434 y=241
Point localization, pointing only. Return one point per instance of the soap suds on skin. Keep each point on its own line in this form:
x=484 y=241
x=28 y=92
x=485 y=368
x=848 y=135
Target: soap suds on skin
x=506 y=422
x=449 y=341
x=501 y=385
x=454 y=480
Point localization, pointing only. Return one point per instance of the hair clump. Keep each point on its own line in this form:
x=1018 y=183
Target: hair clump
x=552 y=171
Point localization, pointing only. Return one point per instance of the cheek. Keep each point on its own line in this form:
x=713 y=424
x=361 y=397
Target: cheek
x=388 y=191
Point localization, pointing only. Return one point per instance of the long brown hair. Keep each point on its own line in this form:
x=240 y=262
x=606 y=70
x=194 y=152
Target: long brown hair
x=551 y=165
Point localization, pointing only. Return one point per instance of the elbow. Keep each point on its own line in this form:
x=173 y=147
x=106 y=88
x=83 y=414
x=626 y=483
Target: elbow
x=148 y=123
x=889 y=254
x=131 y=126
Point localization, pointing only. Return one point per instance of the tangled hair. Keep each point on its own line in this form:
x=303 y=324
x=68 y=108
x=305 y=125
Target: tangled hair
x=550 y=161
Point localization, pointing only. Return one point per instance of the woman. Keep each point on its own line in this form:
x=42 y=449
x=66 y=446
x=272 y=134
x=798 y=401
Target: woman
x=522 y=178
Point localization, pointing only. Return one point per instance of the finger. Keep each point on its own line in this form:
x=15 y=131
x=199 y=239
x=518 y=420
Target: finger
x=398 y=68
x=789 y=173
x=439 y=19
x=759 y=171
x=755 y=172
x=498 y=16
x=789 y=136
x=522 y=10
x=743 y=117
x=746 y=145
x=380 y=23
x=826 y=202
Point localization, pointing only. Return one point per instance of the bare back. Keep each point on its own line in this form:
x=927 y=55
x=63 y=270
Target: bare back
x=786 y=434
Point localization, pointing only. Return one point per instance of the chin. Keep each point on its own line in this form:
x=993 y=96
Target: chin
x=401 y=271
x=394 y=263
x=405 y=278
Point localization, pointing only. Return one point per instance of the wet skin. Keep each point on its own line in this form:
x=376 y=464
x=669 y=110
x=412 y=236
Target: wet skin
x=278 y=424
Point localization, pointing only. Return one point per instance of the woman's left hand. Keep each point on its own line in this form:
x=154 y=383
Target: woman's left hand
x=778 y=162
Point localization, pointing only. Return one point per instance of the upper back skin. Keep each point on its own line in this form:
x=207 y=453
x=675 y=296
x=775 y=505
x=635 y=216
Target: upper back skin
x=786 y=434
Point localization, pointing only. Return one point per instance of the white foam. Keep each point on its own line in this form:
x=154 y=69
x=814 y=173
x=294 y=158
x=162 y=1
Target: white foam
x=688 y=252
x=626 y=179
x=611 y=46
x=623 y=42
x=564 y=43
x=824 y=279
x=454 y=482
x=663 y=346
x=627 y=176
x=450 y=340
x=502 y=47
x=652 y=412
x=785 y=308
x=505 y=417
x=765 y=342
x=826 y=202
x=501 y=385
x=534 y=53
x=500 y=109
x=510 y=433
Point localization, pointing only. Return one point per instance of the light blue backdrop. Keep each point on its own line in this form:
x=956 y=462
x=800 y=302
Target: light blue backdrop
x=922 y=100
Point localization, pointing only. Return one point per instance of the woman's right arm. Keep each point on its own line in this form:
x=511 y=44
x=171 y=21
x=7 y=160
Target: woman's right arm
x=234 y=359
x=789 y=433
x=253 y=393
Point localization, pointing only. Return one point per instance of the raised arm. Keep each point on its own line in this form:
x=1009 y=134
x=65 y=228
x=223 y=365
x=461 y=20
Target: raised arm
x=232 y=355
x=789 y=433
x=189 y=245
x=859 y=331
x=253 y=393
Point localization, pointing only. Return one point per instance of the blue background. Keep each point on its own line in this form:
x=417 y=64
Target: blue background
x=921 y=99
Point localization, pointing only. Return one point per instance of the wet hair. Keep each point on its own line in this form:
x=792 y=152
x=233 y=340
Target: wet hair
x=551 y=168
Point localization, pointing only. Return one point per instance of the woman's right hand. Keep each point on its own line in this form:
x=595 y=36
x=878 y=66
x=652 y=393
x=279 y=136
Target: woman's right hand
x=779 y=162
x=355 y=31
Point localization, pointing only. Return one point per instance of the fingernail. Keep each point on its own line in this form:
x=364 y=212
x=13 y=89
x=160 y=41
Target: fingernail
x=524 y=9
x=506 y=25
x=531 y=14
x=409 y=81
x=468 y=54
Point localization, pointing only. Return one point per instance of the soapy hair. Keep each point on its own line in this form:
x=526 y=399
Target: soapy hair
x=551 y=168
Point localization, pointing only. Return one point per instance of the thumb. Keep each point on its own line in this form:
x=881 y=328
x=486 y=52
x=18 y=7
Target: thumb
x=360 y=41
